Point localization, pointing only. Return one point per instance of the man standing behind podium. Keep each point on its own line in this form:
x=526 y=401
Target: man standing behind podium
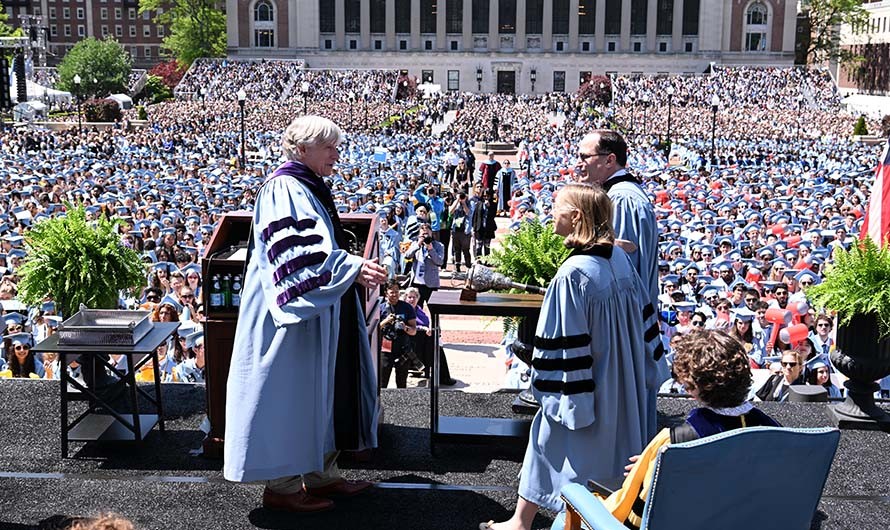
x=302 y=384
x=602 y=157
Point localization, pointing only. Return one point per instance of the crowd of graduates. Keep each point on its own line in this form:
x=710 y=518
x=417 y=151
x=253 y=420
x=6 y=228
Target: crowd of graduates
x=742 y=231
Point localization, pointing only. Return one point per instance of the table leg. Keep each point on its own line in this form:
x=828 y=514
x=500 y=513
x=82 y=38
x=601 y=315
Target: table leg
x=134 y=397
x=160 y=408
x=63 y=400
x=434 y=383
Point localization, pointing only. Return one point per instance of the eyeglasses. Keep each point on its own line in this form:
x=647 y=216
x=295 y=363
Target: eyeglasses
x=153 y=298
x=698 y=323
x=788 y=365
x=750 y=299
x=187 y=296
x=823 y=325
x=585 y=156
x=21 y=347
x=806 y=283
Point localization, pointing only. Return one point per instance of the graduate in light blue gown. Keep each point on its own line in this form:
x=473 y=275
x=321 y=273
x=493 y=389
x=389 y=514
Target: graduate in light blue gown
x=281 y=426
x=602 y=157
x=590 y=361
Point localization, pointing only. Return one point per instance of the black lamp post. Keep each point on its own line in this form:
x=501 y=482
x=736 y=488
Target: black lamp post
x=715 y=104
x=633 y=111
x=670 y=93
x=203 y=98
x=77 y=96
x=799 y=112
x=494 y=128
x=645 y=112
x=479 y=78
x=533 y=77
x=242 y=98
x=351 y=98
x=304 y=90
x=366 y=95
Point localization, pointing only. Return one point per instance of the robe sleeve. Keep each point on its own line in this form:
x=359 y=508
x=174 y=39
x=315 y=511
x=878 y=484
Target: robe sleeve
x=562 y=378
x=303 y=271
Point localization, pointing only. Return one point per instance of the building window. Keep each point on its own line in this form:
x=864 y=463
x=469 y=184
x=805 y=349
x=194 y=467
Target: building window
x=756 y=28
x=103 y=13
x=584 y=77
x=507 y=17
x=353 y=44
x=639 y=11
x=426 y=76
x=454 y=17
x=560 y=17
x=534 y=17
x=403 y=16
x=585 y=46
x=454 y=46
x=378 y=16
x=52 y=12
x=328 y=44
x=54 y=31
x=326 y=16
x=67 y=30
x=662 y=46
x=263 y=38
x=610 y=46
x=80 y=15
x=118 y=13
x=689 y=47
x=559 y=46
x=134 y=51
x=66 y=13
x=263 y=12
x=427 y=45
x=403 y=44
x=353 y=15
x=559 y=81
x=480 y=16
x=586 y=17
x=131 y=13
x=638 y=47
x=147 y=51
x=428 y=16
x=146 y=31
x=104 y=31
x=118 y=31
x=81 y=30
x=613 y=17
x=132 y=31
x=664 y=20
x=160 y=31
x=453 y=80
x=690 y=17
x=378 y=44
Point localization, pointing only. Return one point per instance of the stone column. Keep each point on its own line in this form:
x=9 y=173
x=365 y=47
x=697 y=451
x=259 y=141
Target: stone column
x=494 y=38
x=414 y=44
x=599 y=27
x=677 y=28
x=547 y=27
x=391 y=25
x=303 y=24
x=231 y=24
x=624 y=44
x=365 y=30
x=521 y=41
x=468 y=26
x=340 y=24
x=651 y=27
x=573 y=25
x=441 y=43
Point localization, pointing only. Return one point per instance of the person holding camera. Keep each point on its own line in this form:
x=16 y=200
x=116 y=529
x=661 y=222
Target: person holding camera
x=461 y=228
x=428 y=257
x=398 y=325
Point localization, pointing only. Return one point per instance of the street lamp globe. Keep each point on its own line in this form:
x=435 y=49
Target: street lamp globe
x=242 y=96
x=715 y=101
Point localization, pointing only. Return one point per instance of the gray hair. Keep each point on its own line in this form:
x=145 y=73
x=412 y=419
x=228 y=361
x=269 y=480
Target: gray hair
x=309 y=130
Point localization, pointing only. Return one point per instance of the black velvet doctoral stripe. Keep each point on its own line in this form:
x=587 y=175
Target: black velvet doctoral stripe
x=564 y=365
x=659 y=352
x=290 y=242
x=302 y=261
x=648 y=311
x=287 y=222
x=303 y=287
x=566 y=388
x=562 y=343
x=652 y=332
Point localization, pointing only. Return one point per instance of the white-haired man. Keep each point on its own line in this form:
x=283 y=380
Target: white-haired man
x=302 y=384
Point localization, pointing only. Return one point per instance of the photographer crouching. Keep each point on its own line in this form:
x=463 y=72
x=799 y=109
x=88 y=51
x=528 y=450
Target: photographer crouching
x=398 y=324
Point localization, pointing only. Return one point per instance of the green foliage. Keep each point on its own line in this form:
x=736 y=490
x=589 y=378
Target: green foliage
x=530 y=255
x=141 y=113
x=156 y=91
x=197 y=27
x=885 y=126
x=860 y=129
x=103 y=66
x=825 y=18
x=101 y=110
x=858 y=282
x=77 y=263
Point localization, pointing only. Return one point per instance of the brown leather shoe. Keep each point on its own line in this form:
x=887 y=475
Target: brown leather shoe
x=341 y=488
x=300 y=502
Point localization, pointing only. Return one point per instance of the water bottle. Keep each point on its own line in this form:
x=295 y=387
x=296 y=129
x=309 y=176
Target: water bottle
x=236 y=292
x=216 y=295
x=227 y=291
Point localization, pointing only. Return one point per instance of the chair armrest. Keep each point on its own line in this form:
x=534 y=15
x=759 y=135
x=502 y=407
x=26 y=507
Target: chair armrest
x=591 y=509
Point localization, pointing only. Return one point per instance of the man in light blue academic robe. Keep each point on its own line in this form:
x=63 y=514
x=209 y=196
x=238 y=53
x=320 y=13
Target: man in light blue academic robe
x=602 y=157
x=284 y=381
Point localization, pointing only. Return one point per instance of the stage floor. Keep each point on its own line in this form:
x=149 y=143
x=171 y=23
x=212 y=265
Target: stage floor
x=161 y=484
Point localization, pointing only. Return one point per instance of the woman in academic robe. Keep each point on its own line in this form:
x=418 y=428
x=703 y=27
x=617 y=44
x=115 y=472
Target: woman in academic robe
x=590 y=361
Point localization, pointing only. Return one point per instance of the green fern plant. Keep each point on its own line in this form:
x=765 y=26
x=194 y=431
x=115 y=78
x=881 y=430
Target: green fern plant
x=76 y=262
x=858 y=282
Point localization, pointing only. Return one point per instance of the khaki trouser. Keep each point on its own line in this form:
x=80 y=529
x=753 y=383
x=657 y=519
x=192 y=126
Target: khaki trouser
x=294 y=484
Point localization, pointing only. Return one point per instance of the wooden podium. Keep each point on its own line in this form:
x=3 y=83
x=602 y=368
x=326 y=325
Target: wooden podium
x=225 y=254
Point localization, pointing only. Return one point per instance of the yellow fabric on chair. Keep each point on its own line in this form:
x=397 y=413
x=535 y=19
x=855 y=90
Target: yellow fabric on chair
x=637 y=483
x=6 y=374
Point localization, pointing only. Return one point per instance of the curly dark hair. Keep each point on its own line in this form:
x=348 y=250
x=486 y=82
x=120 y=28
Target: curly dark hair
x=715 y=365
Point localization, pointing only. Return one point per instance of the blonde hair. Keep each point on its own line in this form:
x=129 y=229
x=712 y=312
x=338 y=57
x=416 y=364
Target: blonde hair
x=595 y=225
x=309 y=130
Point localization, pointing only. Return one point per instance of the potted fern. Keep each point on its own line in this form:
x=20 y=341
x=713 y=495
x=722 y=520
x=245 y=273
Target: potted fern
x=857 y=288
x=75 y=262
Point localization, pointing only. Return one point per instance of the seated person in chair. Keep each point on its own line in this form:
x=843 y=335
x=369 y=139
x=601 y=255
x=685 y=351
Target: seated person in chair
x=714 y=369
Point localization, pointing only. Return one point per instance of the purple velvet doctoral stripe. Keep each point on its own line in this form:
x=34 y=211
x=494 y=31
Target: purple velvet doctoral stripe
x=303 y=287
x=287 y=222
x=292 y=241
x=292 y=266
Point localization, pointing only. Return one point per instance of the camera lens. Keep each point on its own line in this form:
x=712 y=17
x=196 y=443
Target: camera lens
x=427 y=240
